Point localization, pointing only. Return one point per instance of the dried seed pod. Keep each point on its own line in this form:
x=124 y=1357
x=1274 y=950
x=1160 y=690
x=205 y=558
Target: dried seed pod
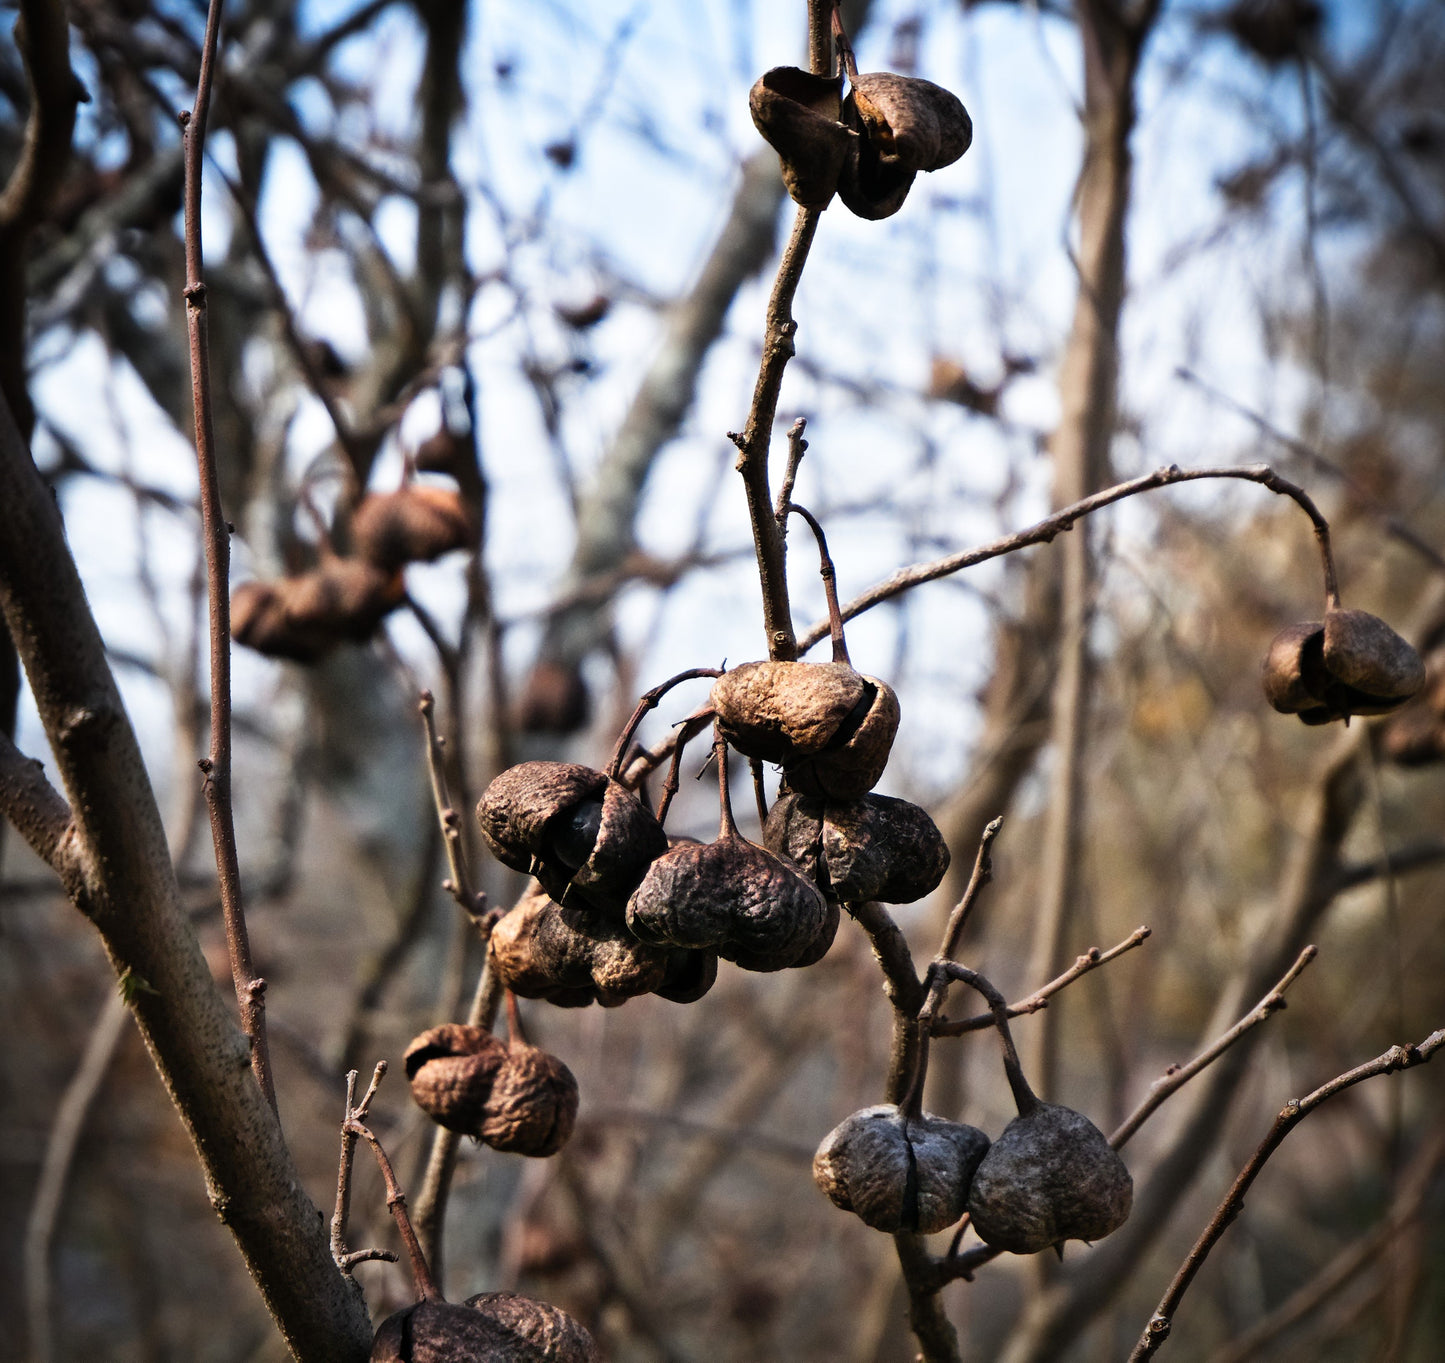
x=872 y=848
x=1050 y=1177
x=539 y=1332
x=541 y=950
x=897 y=1173
x=304 y=617
x=1415 y=736
x=1351 y=663
x=444 y=451
x=414 y=525
x=905 y=125
x=732 y=897
x=451 y=1070
x=533 y=1105
x=513 y=1098
x=500 y=1327
x=575 y=828
x=797 y=114
x=830 y=728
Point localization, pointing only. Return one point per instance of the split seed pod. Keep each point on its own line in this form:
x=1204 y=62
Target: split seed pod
x=414 y=525
x=514 y=1098
x=732 y=897
x=905 y=125
x=1050 y=1177
x=500 y=1327
x=1352 y=663
x=829 y=727
x=541 y=950
x=797 y=114
x=896 y=1173
x=855 y=850
x=574 y=828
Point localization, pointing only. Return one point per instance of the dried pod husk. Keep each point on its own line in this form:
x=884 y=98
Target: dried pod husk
x=259 y=621
x=574 y=828
x=797 y=113
x=899 y=1174
x=452 y=1070
x=536 y=1331
x=905 y=125
x=731 y=897
x=1351 y=663
x=875 y=847
x=1050 y=1177
x=829 y=727
x=541 y=950
x=304 y=617
x=413 y=525
x=444 y=451
x=533 y=1105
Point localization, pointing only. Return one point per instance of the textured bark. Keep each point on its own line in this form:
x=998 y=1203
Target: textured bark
x=116 y=867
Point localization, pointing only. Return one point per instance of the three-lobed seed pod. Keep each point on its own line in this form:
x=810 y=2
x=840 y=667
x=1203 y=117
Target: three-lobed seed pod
x=829 y=727
x=1350 y=663
x=514 y=1098
x=899 y=1173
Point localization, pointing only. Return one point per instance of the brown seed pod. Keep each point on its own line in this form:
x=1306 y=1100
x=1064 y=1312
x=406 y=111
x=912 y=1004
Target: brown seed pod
x=797 y=113
x=855 y=850
x=732 y=897
x=498 y=1327
x=414 y=525
x=1351 y=663
x=574 y=828
x=540 y=1333
x=830 y=728
x=541 y=950
x=304 y=617
x=905 y=125
x=896 y=1173
x=451 y=1070
x=513 y=1098
x=533 y=1105
x=444 y=451
x=1050 y=1177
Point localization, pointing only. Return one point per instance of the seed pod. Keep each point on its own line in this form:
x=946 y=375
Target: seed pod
x=452 y=1069
x=1416 y=735
x=899 y=1174
x=541 y=950
x=855 y=850
x=829 y=727
x=539 y=1332
x=1352 y=663
x=575 y=828
x=1050 y=1177
x=518 y=1098
x=905 y=125
x=444 y=451
x=797 y=114
x=304 y=617
x=690 y=974
x=414 y=525
x=732 y=897
x=500 y=1327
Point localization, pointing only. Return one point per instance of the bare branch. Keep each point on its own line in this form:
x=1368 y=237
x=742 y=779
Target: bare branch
x=1295 y=1111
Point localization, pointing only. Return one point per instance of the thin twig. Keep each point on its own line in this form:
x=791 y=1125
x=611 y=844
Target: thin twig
x=1048 y=529
x=250 y=990
x=830 y=584
x=797 y=448
x=1090 y=960
x=1295 y=1111
x=645 y=705
x=1177 y=1076
x=982 y=875
x=356 y=1112
x=459 y=883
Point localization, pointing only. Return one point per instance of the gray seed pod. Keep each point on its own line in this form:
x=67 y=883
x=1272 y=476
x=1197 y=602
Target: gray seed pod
x=897 y=1174
x=539 y=1332
x=855 y=850
x=1050 y=1177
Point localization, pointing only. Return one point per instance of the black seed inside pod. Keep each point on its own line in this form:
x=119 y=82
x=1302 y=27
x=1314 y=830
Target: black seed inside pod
x=572 y=836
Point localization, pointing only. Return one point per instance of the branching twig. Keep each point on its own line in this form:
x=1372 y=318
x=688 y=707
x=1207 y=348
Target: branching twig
x=1294 y=1112
x=1046 y=530
x=459 y=883
x=1176 y=1077
x=356 y=1112
x=250 y=990
x=1090 y=960
x=645 y=705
